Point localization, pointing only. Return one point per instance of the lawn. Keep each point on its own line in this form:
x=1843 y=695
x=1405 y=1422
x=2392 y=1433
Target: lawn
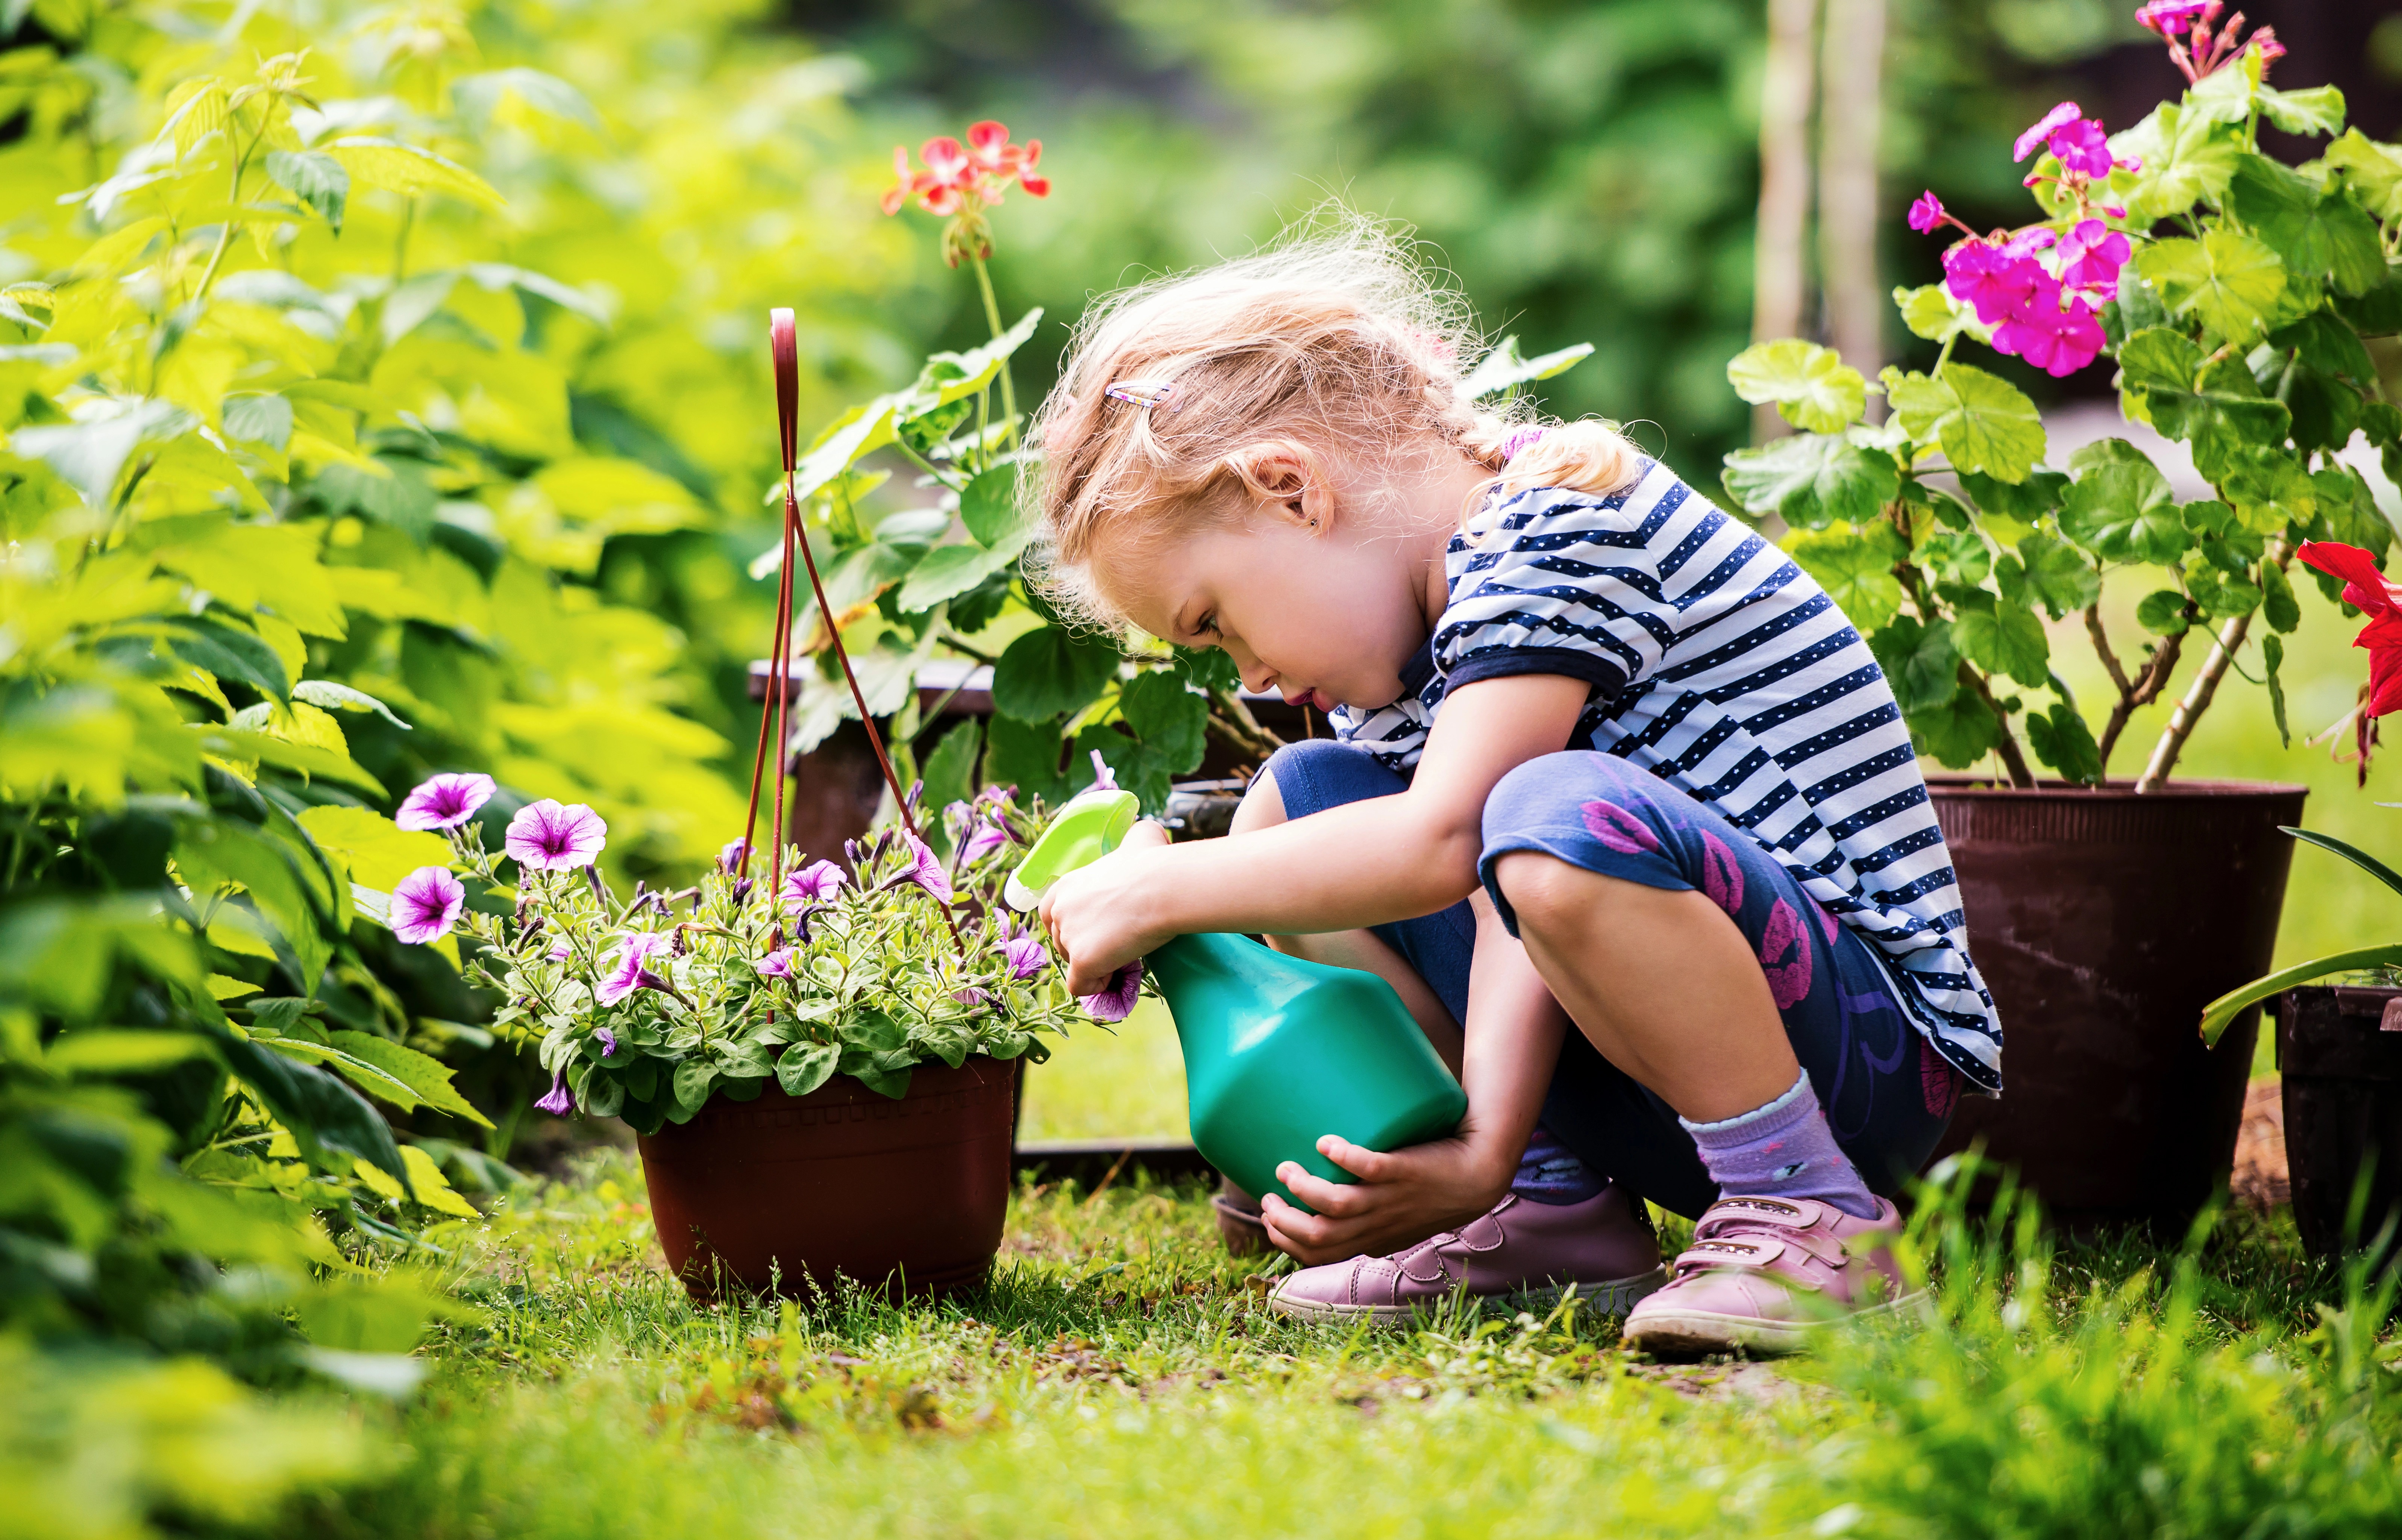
x=1120 y=1376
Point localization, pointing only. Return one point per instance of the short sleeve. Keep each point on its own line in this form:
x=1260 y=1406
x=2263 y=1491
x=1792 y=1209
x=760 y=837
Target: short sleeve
x=1558 y=582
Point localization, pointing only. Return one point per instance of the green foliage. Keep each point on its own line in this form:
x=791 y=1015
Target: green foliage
x=2237 y=329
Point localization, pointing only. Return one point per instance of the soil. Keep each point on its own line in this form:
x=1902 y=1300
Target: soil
x=2260 y=1180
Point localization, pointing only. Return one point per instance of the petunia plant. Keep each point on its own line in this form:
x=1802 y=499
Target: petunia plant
x=645 y=1005
x=2232 y=292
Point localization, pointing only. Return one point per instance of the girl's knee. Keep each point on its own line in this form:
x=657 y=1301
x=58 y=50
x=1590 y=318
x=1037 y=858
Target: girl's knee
x=1540 y=892
x=1315 y=774
x=1262 y=804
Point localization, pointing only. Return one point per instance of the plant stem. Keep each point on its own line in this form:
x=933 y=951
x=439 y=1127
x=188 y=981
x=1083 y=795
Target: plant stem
x=2143 y=692
x=2197 y=700
x=233 y=202
x=992 y=319
x=2013 y=759
x=1235 y=722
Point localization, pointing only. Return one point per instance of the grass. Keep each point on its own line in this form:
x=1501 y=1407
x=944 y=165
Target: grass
x=1121 y=1377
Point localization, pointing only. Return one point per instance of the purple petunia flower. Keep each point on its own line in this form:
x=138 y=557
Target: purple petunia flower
x=630 y=971
x=775 y=964
x=995 y=796
x=426 y=904
x=2067 y=112
x=1927 y=213
x=561 y=1102
x=732 y=857
x=560 y=951
x=1104 y=778
x=444 y=802
x=547 y=837
x=971 y=997
x=982 y=840
x=1024 y=955
x=1116 y=1002
x=924 y=869
x=817 y=883
x=606 y=1039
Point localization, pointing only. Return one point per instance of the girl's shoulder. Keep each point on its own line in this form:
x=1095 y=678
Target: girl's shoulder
x=1655 y=492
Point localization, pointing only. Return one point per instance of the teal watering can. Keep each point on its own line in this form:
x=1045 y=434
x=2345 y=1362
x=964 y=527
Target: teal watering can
x=1277 y=1050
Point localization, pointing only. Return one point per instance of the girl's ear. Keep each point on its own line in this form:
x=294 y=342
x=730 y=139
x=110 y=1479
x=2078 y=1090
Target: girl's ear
x=1287 y=480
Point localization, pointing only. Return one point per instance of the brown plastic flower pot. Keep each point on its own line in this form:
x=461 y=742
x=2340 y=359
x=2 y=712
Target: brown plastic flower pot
x=2102 y=922
x=2339 y=1051
x=906 y=1197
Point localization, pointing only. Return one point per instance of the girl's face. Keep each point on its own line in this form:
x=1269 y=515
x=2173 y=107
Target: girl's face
x=1312 y=599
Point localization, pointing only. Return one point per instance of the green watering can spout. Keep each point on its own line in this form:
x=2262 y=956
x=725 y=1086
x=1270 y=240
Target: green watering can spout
x=1277 y=1050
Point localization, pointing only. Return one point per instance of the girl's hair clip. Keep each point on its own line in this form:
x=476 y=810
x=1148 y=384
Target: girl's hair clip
x=1145 y=394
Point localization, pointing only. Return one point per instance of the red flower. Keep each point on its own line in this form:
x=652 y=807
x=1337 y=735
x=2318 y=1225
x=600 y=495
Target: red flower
x=958 y=178
x=2366 y=589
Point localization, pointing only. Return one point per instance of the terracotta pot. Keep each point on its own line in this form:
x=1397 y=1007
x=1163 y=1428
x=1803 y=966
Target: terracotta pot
x=2339 y=1051
x=908 y=1196
x=2102 y=922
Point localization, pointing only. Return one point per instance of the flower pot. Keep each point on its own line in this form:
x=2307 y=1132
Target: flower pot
x=2340 y=1052
x=905 y=1196
x=2102 y=922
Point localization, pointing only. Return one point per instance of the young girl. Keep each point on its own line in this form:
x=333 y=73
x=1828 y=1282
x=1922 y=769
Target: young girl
x=1615 y=788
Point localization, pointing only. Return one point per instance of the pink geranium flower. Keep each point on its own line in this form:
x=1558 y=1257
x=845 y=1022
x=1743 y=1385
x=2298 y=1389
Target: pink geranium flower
x=629 y=969
x=2090 y=255
x=426 y=904
x=1115 y=1002
x=547 y=837
x=1926 y=212
x=2067 y=112
x=444 y=802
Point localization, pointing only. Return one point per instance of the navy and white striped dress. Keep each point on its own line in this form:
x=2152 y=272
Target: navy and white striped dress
x=1723 y=668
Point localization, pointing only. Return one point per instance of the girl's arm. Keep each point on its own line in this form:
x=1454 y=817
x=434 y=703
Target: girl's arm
x=1513 y=1028
x=1344 y=868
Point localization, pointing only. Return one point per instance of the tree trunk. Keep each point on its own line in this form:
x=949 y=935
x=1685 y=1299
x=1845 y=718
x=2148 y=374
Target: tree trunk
x=1779 y=279
x=1851 y=70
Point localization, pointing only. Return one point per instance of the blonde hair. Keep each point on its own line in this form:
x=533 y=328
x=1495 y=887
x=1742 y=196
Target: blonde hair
x=1333 y=338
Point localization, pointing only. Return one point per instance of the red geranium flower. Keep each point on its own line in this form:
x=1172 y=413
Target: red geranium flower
x=956 y=178
x=2366 y=589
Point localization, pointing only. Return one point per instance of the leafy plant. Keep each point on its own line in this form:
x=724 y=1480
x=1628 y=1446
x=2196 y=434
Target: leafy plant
x=645 y=1007
x=2233 y=292
x=2218 y=1014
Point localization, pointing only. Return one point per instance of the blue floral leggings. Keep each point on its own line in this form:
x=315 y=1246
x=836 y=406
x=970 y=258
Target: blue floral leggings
x=1887 y=1095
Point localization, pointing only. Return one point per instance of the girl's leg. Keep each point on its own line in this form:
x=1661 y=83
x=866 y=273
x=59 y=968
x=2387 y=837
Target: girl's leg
x=1701 y=974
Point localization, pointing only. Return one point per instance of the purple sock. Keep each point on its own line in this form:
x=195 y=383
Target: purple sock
x=1784 y=1149
x=1549 y=1173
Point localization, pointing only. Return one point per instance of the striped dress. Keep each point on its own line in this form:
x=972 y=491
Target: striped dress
x=1724 y=670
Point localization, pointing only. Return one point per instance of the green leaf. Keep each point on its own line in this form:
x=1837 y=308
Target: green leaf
x=2227 y=281
x=2278 y=606
x=848 y=439
x=122 y=1050
x=2061 y=739
x=91 y=454
x=377 y=851
x=425 y=1077
x=2002 y=638
x=332 y=1123
x=1050 y=672
x=2119 y=506
x=2188 y=157
x=1814 y=389
x=1855 y=568
x=1169 y=718
x=1505 y=367
x=1919 y=662
x=2313 y=110
x=2327 y=343
x=228 y=652
x=1026 y=755
x=2273 y=659
x=1984 y=423
x=2057 y=576
x=2162 y=612
x=1811 y=480
x=2157 y=358
x=2351 y=853
x=258 y=419
x=1931 y=311
x=948 y=571
x=331 y=697
x=805 y=1067
x=405 y=169
x=693 y=1079
x=992 y=508
x=316 y=180
x=2370 y=169
x=1207 y=667
x=949 y=771
x=479 y=95
x=2316 y=235
x=1959 y=733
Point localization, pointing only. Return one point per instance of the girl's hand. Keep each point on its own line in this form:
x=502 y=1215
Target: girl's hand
x=1101 y=915
x=1401 y=1197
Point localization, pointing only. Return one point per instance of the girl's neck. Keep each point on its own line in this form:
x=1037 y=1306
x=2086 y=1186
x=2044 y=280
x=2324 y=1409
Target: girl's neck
x=1435 y=508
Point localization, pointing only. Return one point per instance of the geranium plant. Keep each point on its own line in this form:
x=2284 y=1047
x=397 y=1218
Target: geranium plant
x=646 y=1004
x=2232 y=292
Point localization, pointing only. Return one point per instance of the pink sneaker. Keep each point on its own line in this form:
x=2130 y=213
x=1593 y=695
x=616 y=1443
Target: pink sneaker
x=1603 y=1245
x=1765 y=1273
